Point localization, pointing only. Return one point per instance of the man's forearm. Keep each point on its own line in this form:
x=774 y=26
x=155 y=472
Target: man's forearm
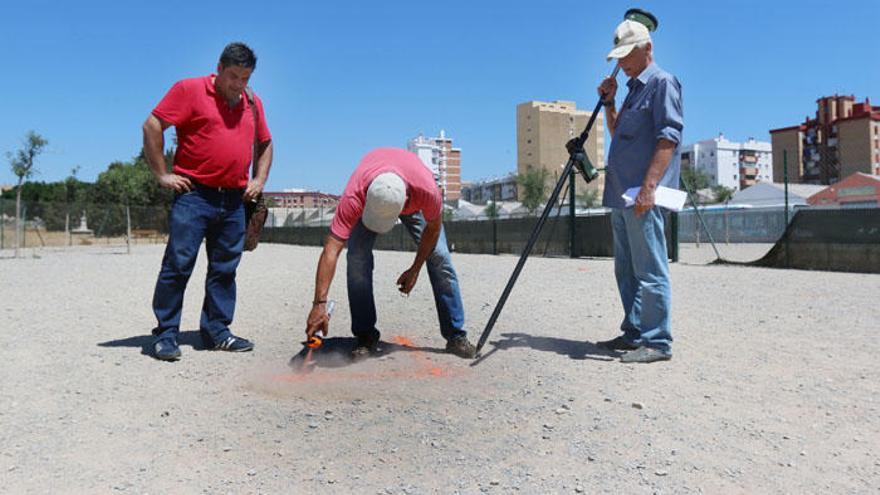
x=610 y=119
x=154 y=144
x=428 y=242
x=659 y=163
x=327 y=267
x=263 y=161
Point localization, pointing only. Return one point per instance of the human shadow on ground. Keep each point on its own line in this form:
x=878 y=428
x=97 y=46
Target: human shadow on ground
x=574 y=349
x=335 y=352
x=189 y=338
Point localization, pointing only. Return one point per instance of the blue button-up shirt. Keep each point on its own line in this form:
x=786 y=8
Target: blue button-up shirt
x=651 y=111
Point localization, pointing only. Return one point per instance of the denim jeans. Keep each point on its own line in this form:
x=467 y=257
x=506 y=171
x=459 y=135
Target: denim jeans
x=444 y=281
x=218 y=218
x=642 y=271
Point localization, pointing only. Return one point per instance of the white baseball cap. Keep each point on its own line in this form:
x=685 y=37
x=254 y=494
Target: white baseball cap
x=385 y=199
x=627 y=35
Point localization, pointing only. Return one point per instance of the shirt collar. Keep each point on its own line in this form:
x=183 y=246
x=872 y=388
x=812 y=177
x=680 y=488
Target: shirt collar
x=645 y=76
x=209 y=84
x=212 y=90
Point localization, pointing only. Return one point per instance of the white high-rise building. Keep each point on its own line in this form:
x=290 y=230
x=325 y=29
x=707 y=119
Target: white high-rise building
x=730 y=164
x=443 y=160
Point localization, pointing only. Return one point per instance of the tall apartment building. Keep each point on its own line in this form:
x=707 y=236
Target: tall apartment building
x=444 y=161
x=730 y=164
x=842 y=139
x=543 y=128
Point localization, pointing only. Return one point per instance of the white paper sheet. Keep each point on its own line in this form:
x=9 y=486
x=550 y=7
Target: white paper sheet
x=668 y=198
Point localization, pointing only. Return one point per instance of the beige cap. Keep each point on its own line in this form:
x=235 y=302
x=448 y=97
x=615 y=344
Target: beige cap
x=385 y=199
x=627 y=35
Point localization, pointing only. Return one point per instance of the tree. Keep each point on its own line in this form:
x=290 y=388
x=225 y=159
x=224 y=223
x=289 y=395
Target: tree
x=694 y=179
x=70 y=185
x=448 y=214
x=492 y=210
x=534 y=187
x=722 y=193
x=23 y=162
x=589 y=198
x=130 y=183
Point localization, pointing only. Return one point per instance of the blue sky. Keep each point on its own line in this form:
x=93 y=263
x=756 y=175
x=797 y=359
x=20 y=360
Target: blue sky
x=342 y=77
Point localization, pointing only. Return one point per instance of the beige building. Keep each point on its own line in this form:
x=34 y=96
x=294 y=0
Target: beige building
x=843 y=138
x=543 y=128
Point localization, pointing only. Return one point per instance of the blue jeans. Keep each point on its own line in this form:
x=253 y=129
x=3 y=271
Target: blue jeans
x=642 y=271
x=444 y=281
x=218 y=218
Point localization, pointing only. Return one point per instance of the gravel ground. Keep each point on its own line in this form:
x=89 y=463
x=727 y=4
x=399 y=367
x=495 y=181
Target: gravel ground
x=773 y=387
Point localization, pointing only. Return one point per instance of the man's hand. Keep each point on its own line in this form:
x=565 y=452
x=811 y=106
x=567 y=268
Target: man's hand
x=318 y=321
x=408 y=279
x=179 y=183
x=254 y=188
x=608 y=89
x=644 y=201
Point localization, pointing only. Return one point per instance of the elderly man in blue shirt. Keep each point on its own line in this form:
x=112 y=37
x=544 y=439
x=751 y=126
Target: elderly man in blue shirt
x=646 y=135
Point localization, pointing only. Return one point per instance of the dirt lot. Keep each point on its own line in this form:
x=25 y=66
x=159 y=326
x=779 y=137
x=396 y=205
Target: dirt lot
x=773 y=387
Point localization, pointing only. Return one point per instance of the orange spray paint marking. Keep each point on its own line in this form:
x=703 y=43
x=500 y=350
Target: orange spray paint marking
x=426 y=369
x=404 y=341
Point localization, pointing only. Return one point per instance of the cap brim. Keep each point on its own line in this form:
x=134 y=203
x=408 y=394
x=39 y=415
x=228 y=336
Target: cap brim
x=379 y=226
x=621 y=51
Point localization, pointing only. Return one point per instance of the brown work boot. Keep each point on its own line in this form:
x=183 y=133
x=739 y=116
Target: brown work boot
x=461 y=347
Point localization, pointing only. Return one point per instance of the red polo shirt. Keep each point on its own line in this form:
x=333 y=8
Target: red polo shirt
x=214 y=141
x=422 y=193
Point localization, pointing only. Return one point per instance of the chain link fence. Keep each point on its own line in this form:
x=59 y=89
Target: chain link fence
x=66 y=225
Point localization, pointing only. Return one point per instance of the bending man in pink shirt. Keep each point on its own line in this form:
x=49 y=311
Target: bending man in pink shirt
x=389 y=184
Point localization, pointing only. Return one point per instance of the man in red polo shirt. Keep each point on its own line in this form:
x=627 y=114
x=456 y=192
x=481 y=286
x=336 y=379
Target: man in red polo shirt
x=218 y=123
x=389 y=184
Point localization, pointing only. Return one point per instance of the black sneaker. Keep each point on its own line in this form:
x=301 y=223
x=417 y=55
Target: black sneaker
x=645 y=355
x=365 y=347
x=235 y=344
x=166 y=349
x=461 y=347
x=617 y=344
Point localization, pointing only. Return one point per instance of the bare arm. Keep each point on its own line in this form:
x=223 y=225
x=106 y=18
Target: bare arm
x=318 y=319
x=427 y=243
x=659 y=163
x=154 y=149
x=262 y=164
